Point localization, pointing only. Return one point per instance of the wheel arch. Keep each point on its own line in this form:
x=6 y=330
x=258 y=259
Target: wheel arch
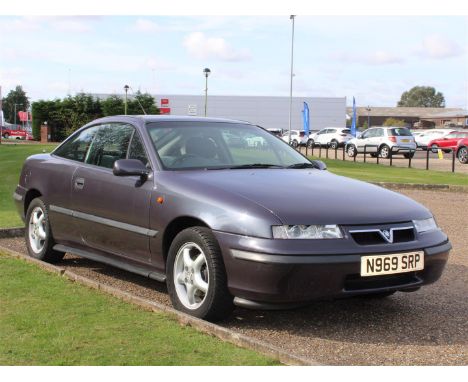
x=29 y=197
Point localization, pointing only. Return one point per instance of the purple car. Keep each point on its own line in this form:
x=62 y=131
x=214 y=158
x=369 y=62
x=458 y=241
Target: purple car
x=225 y=213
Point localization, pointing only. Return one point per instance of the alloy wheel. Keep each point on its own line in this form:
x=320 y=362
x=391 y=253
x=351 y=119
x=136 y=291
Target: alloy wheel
x=463 y=155
x=37 y=230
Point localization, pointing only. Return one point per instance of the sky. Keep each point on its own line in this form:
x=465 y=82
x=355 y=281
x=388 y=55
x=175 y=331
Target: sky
x=373 y=58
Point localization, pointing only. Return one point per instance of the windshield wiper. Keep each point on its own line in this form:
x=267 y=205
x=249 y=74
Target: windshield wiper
x=303 y=165
x=250 y=165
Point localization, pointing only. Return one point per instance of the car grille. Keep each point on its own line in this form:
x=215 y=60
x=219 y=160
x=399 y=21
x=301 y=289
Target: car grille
x=376 y=236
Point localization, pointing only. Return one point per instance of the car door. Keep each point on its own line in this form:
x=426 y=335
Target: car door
x=112 y=212
x=364 y=139
x=449 y=141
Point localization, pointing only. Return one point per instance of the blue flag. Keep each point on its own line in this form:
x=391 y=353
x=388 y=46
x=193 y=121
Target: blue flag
x=353 y=123
x=305 y=115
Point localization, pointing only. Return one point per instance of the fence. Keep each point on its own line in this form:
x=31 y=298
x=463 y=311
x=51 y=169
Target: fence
x=310 y=149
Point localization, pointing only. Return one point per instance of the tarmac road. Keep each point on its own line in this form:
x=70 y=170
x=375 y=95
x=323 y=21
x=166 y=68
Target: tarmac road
x=427 y=327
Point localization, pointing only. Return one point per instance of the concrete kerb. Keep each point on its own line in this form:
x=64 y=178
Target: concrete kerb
x=11 y=232
x=220 y=332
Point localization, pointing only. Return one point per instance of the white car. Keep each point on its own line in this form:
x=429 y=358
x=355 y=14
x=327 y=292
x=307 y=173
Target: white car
x=383 y=141
x=332 y=137
x=298 y=138
x=424 y=138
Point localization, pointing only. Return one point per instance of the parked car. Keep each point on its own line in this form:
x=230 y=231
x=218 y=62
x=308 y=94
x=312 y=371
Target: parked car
x=277 y=132
x=331 y=137
x=447 y=143
x=462 y=150
x=298 y=138
x=19 y=134
x=383 y=141
x=168 y=198
x=423 y=139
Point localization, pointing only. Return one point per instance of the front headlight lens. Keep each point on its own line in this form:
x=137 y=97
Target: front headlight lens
x=330 y=231
x=425 y=225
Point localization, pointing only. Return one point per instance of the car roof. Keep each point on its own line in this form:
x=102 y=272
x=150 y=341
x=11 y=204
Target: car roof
x=168 y=118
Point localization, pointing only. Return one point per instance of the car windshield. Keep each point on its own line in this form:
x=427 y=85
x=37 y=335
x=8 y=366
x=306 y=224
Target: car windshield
x=401 y=132
x=216 y=145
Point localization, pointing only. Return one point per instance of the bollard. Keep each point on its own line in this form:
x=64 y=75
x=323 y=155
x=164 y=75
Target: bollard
x=427 y=158
x=365 y=152
x=378 y=156
x=453 y=160
x=327 y=151
x=391 y=157
x=320 y=151
x=344 y=153
x=409 y=159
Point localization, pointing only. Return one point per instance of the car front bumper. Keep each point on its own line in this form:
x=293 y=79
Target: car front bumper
x=257 y=277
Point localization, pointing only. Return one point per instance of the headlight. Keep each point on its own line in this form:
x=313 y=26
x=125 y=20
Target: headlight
x=425 y=225
x=331 y=231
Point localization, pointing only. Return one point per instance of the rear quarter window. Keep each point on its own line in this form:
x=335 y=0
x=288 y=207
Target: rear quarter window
x=400 y=132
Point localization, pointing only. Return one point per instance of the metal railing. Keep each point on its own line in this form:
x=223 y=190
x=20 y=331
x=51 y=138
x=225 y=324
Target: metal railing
x=310 y=149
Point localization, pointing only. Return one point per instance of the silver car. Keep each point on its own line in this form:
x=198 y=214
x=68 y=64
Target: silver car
x=383 y=141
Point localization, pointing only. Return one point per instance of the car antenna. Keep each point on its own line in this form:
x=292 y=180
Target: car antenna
x=144 y=112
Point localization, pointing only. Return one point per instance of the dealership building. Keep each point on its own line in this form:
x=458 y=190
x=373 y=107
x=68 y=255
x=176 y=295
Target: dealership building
x=266 y=111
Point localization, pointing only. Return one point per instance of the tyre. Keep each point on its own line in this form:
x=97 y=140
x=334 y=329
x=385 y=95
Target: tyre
x=384 y=151
x=310 y=143
x=333 y=144
x=434 y=148
x=196 y=277
x=351 y=151
x=462 y=155
x=294 y=143
x=6 y=136
x=408 y=155
x=38 y=234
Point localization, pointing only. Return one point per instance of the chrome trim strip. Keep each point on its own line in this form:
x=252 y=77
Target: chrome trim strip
x=104 y=221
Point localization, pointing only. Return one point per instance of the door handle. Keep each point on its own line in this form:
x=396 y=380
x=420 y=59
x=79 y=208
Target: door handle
x=79 y=183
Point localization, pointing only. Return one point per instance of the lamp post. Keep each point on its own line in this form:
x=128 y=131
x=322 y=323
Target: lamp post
x=368 y=116
x=17 y=104
x=292 y=75
x=206 y=72
x=126 y=87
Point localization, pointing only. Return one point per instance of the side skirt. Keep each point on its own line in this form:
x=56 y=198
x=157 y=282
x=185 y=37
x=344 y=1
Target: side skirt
x=139 y=270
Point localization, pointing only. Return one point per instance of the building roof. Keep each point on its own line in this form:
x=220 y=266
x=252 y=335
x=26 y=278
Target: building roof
x=416 y=112
x=458 y=113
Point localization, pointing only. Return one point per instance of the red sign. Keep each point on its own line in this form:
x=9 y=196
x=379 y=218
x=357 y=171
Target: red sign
x=23 y=116
x=165 y=110
x=164 y=101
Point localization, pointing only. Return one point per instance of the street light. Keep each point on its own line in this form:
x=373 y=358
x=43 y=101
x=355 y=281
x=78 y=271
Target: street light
x=206 y=72
x=292 y=75
x=368 y=116
x=126 y=87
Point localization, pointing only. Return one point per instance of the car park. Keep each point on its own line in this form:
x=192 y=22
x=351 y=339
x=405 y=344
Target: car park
x=423 y=139
x=462 y=151
x=332 y=137
x=383 y=141
x=447 y=143
x=169 y=198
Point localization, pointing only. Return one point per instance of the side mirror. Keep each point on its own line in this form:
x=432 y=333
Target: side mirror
x=131 y=167
x=320 y=165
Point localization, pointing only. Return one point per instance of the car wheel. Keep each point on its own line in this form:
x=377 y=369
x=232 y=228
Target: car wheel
x=196 y=277
x=310 y=143
x=333 y=144
x=408 y=155
x=462 y=155
x=434 y=148
x=38 y=234
x=384 y=151
x=351 y=151
x=6 y=136
x=294 y=143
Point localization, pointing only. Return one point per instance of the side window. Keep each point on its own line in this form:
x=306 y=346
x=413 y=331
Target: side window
x=109 y=144
x=379 y=133
x=137 y=150
x=366 y=134
x=331 y=131
x=77 y=147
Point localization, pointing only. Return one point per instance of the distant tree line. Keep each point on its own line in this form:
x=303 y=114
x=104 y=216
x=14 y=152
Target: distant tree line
x=66 y=115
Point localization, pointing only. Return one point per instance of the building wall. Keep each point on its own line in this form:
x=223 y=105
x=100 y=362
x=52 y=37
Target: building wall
x=268 y=112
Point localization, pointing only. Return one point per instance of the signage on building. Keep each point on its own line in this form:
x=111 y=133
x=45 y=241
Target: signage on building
x=165 y=102
x=165 y=110
x=192 y=110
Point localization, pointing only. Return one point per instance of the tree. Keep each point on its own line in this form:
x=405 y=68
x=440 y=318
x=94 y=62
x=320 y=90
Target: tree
x=422 y=96
x=142 y=100
x=16 y=97
x=394 y=122
x=113 y=105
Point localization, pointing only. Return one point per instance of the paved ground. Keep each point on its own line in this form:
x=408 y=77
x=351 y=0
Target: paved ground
x=428 y=327
x=419 y=160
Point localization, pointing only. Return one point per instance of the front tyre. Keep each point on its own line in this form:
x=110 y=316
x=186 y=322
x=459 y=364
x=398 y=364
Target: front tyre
x=196 y=277
x=351 y=151
x=463 y=155
x=38 y=234
x=384 y=151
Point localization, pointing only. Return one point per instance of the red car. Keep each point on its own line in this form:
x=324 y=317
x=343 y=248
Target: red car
x=447 y=143
x=16 y=134
x=462 y=150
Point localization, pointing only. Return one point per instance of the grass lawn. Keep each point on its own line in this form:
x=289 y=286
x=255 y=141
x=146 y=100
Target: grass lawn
x=47 y=320
x=370 y=172
x=11 y=161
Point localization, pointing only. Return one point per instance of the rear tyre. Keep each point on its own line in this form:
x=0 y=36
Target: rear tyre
x=384 y=151
x=434 y=148
x=38 y=234
x=351 y=151
x=196 y=277
x=6 y=136
x=462 y=155
x=310 y=143
x=408 y=155
x=333 y=144
x=294 y=143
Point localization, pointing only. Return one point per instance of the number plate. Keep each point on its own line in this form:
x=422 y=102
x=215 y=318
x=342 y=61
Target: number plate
x=393 y=263
x=405 y=140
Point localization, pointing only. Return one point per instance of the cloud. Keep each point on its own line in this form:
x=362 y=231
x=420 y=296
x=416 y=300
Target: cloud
x=71 y=25
x=439 y=47
x=202 y=47
x=145 y=25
